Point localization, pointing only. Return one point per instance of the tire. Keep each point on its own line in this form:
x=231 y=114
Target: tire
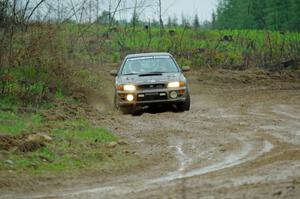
x=185 y=106
x=116 y=103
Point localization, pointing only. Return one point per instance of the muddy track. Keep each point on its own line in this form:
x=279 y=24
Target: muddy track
x=233 y=143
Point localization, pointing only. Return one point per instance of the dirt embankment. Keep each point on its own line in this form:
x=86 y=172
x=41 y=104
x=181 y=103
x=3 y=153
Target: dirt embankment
x=240 y=140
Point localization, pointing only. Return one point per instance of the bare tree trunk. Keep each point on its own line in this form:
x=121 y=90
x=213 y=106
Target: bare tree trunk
x=149 y=35
x=134 y=17
x=12 y=27
x=111 y=20
x=161 y=23
x=109 y=10
x=90 y=11
x=58 y=10
x=97 y=9
x=34 y=9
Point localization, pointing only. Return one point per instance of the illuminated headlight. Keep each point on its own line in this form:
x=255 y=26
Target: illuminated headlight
x=130 y=98
x=129 y=88
x=174 y=85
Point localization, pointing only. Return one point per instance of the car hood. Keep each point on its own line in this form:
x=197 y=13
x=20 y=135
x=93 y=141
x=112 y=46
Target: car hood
x=149 y=79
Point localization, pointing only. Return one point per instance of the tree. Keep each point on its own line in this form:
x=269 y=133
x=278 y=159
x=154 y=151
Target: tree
x=196 y=23
x=295 y=15
x=278 y=16
x=213 y=20
x=135 y=18
x=185 y=21
x=161 y=23
x=258 y=10
x=104 y=18
x=155 y=23
x=169 y=24
x=175 y=21
x=4 y=13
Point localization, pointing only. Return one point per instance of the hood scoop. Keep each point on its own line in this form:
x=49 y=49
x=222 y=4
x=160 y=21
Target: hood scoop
x=150 y=74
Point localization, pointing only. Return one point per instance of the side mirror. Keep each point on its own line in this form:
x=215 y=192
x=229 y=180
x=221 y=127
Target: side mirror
x=114 y=73
x=186 y=68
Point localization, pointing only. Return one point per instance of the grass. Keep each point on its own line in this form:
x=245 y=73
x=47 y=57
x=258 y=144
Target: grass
x=76 y=145
x=14 y=124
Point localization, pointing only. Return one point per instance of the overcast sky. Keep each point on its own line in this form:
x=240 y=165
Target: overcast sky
x=147 y=9
x=203 y=8
x=189 y=8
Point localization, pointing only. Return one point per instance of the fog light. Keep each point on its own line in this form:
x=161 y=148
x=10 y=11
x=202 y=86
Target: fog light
x=173 y=94
x=130 y=98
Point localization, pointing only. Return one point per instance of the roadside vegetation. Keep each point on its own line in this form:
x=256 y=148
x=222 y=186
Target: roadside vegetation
x=58 y=140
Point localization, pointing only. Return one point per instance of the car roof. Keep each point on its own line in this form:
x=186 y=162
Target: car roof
x=148 y=55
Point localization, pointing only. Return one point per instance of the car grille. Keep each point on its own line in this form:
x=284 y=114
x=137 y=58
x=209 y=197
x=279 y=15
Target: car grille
x=152 y=97
x=151 y=86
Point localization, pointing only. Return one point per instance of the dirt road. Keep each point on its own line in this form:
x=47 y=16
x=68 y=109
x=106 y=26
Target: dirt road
x=236 y=142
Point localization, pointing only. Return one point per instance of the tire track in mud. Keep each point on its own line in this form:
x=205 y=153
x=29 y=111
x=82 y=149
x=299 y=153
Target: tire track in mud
x=232 y=160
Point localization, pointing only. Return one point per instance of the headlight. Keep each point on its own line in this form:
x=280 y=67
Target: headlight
x=173 y=85
x=176 y=84
x=129 y=88
x=130 y=98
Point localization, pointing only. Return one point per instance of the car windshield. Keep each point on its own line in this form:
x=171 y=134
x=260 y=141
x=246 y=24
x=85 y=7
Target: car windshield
x=146 y=65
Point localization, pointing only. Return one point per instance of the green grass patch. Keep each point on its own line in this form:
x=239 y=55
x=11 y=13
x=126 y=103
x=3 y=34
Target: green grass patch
x=76 y=144
x=14 y=124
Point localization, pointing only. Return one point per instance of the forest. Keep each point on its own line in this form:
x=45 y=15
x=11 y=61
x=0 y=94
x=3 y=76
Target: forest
x=274 y=15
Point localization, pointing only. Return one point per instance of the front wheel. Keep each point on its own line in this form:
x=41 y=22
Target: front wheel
x=184 y=106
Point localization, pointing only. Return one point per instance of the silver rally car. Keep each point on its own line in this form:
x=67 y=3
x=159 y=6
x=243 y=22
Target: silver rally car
x=150 y=79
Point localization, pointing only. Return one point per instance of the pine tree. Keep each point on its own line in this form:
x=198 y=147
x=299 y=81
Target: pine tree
x=135 y=19
x=196 y=23
x=278 y=16
x=169 y=24
x=175 y=21
x=259 y=13
x=185 y=21
x=213 y=20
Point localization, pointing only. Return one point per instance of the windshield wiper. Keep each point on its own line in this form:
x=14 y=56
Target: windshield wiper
x=158 y=72
x=131 y=74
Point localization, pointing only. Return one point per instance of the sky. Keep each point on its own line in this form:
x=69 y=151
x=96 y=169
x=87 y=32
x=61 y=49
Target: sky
x=203 y=8
x=189 y=8
x=148 y=9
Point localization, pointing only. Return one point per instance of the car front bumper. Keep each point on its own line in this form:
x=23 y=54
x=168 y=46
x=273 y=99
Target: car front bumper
x=160 y=96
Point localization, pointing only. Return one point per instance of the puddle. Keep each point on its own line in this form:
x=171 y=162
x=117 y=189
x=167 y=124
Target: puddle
x=288 y=111
x=229 y=161
x=184 y=160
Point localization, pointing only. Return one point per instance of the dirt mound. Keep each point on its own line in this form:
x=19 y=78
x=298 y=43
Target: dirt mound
x=24 y=142
x=30 y=146
x=7 y=142
x=63 y=111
